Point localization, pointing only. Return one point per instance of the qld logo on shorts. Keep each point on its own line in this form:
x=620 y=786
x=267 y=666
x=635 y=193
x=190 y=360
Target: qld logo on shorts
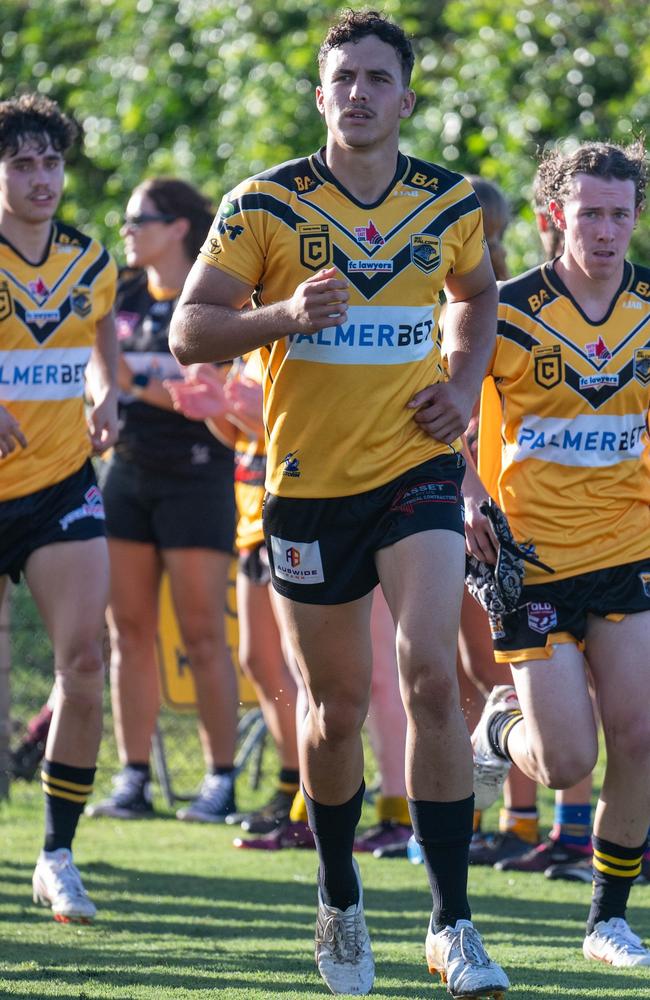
x=645 y=583
x=542 y=616
x=297 y=562
x=426 y=252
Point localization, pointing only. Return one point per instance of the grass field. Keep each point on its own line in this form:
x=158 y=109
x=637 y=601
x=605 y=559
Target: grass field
x=185 y=916
x=182 y=915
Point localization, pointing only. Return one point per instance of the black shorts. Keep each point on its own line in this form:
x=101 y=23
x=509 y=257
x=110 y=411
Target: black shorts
x=323 y=551
x=69 y=511
x=557 y=611
x=169 y=512
x=253 y=563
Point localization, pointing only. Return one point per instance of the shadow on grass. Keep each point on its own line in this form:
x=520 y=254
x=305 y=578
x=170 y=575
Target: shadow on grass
x=167 y=930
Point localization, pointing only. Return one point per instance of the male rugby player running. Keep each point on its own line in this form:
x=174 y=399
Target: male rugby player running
x=346 y=252
x=572 y=368
x=56 y=294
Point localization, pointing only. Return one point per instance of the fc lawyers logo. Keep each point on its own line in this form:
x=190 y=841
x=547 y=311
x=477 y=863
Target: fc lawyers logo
x=426 y=252
x=314 y=245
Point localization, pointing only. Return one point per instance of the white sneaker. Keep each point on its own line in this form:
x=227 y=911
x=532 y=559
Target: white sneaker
x=57 y=883
x=490 y=770
x=343 y=951
x=459 y=955
x=613 y=941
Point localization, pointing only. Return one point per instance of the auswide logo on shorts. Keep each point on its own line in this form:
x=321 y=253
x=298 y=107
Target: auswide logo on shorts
x=297 y=562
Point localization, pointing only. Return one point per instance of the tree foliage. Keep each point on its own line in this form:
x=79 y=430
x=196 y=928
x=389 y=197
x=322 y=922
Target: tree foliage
x=214 y=90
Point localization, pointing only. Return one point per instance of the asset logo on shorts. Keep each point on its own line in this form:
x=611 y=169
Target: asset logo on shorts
x=6 y=302
x=297 y=562
x=426 y=252
x=542 y=616
x=315 y=246
x=645 y=583
x=548 y=366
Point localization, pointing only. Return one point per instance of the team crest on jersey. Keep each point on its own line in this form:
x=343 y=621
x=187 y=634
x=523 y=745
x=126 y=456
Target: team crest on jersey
x=369 y=234
x=80 y=299
x=314 y=245
x=548 y=366
x=599 y=351
x=645 y=583
x=641 y=366
x=6 y=302
x=426 y=252
x=542 y=616
x=39 y=290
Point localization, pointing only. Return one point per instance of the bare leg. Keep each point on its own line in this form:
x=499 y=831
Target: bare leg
x=133 y=623
x=199 y=580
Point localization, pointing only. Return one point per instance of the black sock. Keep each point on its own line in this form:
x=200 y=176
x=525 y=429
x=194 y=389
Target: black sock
x=141 y=768
x=66 y=792
x=500 y=728
x=333 y=828
x=444 y=831
x=219 y=769
x=289 y=779
x=615 y=869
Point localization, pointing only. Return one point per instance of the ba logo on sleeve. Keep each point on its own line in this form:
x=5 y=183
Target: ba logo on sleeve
x=641 y=365
x=6 y=303
x=314 y=245
x=548 y=366
x=426 y=252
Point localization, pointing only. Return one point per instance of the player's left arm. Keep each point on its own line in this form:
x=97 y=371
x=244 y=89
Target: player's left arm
x=102 y=380
x=444 y=409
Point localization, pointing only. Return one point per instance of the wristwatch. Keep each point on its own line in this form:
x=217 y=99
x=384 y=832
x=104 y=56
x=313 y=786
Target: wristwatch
x=139 y=383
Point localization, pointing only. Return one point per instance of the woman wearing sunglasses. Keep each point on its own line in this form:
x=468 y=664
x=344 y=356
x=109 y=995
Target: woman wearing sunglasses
x=169 y=506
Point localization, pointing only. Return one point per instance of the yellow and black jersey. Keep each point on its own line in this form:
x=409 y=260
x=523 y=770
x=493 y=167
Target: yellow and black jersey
x=48 y=314
x=335 y=401
x=250 y=472
x=574 y=476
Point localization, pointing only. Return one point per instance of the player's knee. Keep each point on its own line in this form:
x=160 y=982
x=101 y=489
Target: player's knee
x=80 y=676
x=204 y=650
x=340 y=717
x=426 y=691
x=630 y=740
x=563 y=768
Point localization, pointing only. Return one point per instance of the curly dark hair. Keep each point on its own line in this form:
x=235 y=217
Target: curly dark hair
x=352 y=25
x=599 y=159
x=181 y=200
x=35 y=118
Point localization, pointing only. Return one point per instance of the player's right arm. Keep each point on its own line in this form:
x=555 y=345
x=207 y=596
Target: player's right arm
x=10 y=433
x=209 y=324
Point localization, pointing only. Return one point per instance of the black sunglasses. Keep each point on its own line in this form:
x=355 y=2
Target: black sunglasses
x=135 y=221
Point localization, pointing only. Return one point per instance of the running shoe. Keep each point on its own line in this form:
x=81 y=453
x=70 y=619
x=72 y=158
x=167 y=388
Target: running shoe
x=131 y=798
x=386 y=839
x=490 y=770
x=342 y=947
x=538 y=859
x=498 y=847
x=291 y=834
x=459 y=955
x=57 y=883
x=613 y=941
x=216 y=799
x=25 y=759
x=578 y=870
x=270 y=816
